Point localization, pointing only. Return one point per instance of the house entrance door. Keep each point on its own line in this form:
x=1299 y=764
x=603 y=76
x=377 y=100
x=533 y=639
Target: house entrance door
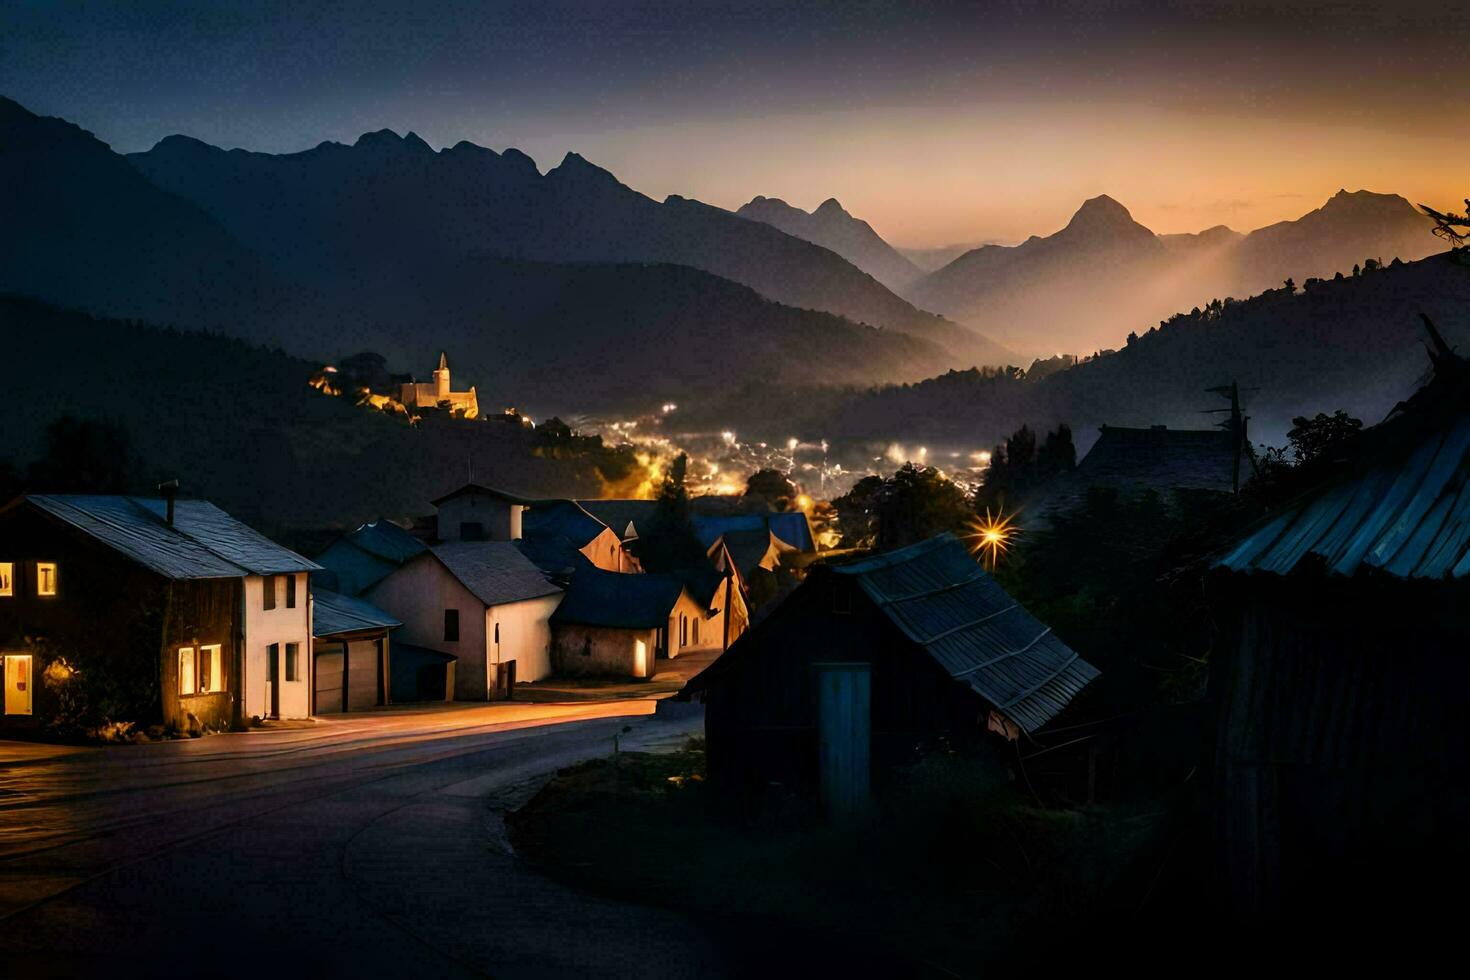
x=19 y=684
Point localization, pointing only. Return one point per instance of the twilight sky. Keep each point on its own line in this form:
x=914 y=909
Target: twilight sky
x=938 y=122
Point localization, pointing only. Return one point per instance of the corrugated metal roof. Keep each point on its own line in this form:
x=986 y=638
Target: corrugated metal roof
x=940 y=598
x=203 y=542
x=619 y=601
x=333 y=613
x=1407 y=516
x=495 y=571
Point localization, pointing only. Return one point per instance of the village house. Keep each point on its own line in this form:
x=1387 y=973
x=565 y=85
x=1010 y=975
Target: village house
x=483 y=602
x=173 y=598
x=366 y=555
x=1157 y=459
x=351 y=659
x=1341 y=673
x=916 y=643
x=418 y=395
x=612 y=624
x=569 y=521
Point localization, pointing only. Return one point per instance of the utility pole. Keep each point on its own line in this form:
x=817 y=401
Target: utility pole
x=1236 y=425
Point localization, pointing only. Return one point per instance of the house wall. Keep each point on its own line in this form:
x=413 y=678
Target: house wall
x=280 y=625
x=525 y=635
x=200 y=613
x=117 y=621
x=417 y=595
x=595 y=651
x=364 y=672
x=711 y=622
x=1340 y=739
x=501 y=519
x=606 y=552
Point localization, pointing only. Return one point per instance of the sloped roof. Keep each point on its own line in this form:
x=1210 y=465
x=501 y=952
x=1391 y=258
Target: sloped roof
x=479 y=489
x=749 y=549
x=1157 y=458
x=561 y=518
x=1406 y=515
x=494 y=571
x=333 y=613
x=794 y=528
x=203 y=542
x=710 y=529
x=938 y=596
x=618 y=514
x=618 y=601
x=386 y=540
x=556 y=556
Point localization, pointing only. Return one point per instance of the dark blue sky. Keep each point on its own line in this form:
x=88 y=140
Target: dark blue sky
x=897 y=108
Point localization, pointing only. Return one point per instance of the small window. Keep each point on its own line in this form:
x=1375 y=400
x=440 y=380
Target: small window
x=293 y=651
x=7 y=578
x=696 y=631
x=211 y=669
x=497 y=632
x=683 y=631
x=451 y=625
x=268 y=594
x=186 y=670
x=273 y=662
x=472 y=531
x=45 y=578
x=290 y=591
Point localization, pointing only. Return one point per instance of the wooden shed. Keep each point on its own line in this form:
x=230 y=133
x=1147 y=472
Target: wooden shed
x=350 y=653
x=948 y=651
x=1341 y=679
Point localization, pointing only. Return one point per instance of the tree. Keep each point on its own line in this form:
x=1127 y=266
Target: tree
x=670 y=542
x=857 y=512
x=1324 y=436
x=83 y=456
x=1018 y=467
x=771 y=486
x=917 y=503
x=1289 y=285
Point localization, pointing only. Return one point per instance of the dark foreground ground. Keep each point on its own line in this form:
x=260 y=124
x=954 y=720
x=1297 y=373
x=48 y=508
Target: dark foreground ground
x=364 y=846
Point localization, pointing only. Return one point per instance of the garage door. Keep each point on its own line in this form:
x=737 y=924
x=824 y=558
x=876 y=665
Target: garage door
x=329 y=682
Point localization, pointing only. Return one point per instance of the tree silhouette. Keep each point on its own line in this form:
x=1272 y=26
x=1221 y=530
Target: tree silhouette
x=83 y=456
x=1453 y=228
x=771 y=486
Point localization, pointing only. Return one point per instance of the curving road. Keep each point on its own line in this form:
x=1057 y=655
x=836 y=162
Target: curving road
x=363 y=845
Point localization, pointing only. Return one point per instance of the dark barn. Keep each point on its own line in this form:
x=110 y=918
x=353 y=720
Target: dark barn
x=948 y=650
x=1341 y=687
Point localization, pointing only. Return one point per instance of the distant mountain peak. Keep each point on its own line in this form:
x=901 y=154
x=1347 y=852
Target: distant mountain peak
x=830 y=208
x=385 y=140
x=1102 y=215
x=574 y=166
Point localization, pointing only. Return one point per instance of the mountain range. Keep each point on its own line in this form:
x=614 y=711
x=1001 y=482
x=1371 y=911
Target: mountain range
x=1104 y=275
x=832 y=227
x=567 y=284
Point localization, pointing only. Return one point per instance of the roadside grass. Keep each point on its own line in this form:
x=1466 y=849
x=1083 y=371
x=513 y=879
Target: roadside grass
x=953 y=870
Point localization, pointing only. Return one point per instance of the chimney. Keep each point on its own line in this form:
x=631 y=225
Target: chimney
x=168 y=491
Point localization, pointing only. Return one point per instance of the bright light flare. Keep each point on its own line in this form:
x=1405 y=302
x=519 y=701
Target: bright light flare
x=991 y=536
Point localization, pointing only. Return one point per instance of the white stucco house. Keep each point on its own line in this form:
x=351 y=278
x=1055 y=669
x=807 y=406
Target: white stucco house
x=483 y=602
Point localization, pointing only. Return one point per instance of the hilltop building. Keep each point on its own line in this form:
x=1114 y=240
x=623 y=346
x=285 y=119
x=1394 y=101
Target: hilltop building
x=417 y=395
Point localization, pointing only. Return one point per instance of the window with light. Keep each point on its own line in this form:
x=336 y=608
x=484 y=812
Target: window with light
x=187 y=683
x=7 y=578
x=45 y=578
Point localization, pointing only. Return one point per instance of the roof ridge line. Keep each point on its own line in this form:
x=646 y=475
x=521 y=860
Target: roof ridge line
x=133 y=502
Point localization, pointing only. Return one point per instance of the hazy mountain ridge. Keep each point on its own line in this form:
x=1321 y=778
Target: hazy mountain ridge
x=1353 y=344
x=389 y=200
x=832 y=227
x=328 y=252
x=1085 y=287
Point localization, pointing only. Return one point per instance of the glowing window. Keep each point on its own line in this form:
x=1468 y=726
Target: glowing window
x=45 y=578
x=7 y=578
x=186 y=670
x=211 y=669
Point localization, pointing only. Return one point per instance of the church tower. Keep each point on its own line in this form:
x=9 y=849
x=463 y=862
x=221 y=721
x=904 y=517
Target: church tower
x=441 y=378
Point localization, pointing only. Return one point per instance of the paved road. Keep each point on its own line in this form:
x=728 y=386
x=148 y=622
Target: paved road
x=370 y=844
